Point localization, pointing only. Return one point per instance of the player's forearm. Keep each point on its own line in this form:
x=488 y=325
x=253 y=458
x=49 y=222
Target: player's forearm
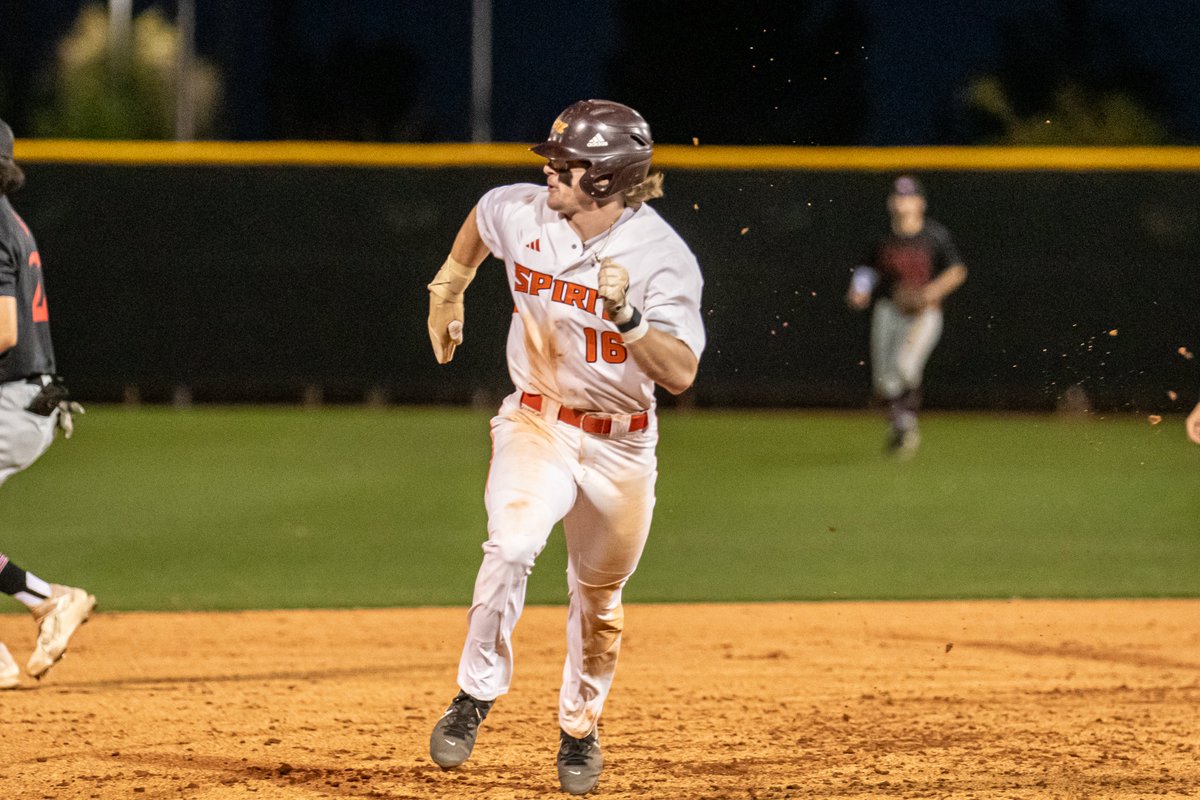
x=949 y=280
x=468 y=247
x=666 y=360
x=8 y=323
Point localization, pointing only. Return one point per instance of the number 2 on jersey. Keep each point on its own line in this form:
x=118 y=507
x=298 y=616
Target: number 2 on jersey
x=604 y=344
x=41 y=312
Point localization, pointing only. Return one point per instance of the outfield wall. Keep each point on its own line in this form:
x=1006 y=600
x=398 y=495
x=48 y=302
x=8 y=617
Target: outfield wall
x=256 y=271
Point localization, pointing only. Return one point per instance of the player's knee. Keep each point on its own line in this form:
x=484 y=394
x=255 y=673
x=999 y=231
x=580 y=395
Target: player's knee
x=889 y=386
x=513 y=551
x=910 y=379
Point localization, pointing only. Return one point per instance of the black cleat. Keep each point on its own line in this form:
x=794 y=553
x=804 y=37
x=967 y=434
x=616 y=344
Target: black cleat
x=454 y=735
x=903 y=443
x=579 y=762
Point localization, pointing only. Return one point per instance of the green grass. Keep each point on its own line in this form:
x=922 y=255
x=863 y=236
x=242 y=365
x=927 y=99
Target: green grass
x=212 y=508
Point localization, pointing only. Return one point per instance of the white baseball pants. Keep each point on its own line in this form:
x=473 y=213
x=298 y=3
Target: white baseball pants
x=602 y=489
x=24 y=436
x=900 y=347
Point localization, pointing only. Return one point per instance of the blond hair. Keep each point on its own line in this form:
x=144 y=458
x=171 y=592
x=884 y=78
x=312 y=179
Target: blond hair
x=649 y=189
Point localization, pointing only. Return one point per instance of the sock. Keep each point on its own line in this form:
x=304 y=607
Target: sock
x=902 y=410
x=911 y=400
x=24 y=586
x=899 y=414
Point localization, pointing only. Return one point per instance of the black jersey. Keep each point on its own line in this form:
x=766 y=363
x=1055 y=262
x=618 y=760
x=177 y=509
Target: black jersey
x=21 y=277
x=912 y=261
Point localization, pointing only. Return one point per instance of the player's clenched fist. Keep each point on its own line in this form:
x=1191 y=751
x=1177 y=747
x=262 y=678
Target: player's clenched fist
x=445 y=327
x=446 y=308
x=613 y=287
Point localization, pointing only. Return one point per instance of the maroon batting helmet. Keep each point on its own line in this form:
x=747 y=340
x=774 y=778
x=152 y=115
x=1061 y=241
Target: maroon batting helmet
x=612 y=139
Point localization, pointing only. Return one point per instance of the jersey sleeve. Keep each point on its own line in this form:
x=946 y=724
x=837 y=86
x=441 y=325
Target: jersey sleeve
x=672 y=300
x=947 y=252
x=494 y=207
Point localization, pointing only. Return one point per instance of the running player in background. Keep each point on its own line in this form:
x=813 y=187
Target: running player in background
x=907 y=274
x=606 y=305
x=33 y=403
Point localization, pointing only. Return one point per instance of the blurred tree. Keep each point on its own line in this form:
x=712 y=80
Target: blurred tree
x=1066 y=77
x=1076 y=115
x=102 y=94
x=745 y=72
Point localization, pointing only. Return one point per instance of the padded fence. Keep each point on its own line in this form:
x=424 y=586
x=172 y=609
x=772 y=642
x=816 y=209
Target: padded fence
x=280 y=281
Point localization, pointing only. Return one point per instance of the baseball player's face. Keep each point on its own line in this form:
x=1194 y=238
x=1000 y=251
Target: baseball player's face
x=907 y=206
x=562 y=178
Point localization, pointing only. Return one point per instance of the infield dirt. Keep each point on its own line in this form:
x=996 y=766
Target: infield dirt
x=1020 y=699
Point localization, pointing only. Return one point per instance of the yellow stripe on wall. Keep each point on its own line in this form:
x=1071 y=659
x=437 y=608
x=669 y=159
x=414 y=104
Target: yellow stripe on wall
x=701 y=157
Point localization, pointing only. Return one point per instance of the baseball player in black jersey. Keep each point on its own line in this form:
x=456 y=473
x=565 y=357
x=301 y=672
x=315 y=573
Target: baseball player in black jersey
x=33 y=403
x=907 y=274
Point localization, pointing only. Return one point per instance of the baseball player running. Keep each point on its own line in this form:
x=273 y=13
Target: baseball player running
x=908 y=273
x=607 y=304
x=32 y=404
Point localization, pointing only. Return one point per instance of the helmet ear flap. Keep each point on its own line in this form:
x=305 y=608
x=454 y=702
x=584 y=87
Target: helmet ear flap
x=607 y=178
x=587 y=182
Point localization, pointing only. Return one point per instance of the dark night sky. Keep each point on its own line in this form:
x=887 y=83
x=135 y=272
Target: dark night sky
x=917 y=57
x=940 y=41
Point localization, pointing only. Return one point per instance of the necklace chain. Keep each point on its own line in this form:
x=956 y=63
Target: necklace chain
x=608 y=236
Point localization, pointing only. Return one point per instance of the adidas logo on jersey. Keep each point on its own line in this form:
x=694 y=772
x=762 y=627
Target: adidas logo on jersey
x=536 y=245
x=597 y=141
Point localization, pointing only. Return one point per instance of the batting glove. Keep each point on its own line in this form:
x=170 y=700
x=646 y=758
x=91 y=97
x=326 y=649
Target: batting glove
x=613 y=286
x=446 y=308
x=614 y=289
x=67 y=410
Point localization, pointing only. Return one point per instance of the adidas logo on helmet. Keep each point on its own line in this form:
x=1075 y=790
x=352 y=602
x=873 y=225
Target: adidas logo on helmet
x=597 y=141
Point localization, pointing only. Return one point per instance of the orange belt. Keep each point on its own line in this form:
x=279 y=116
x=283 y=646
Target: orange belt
x=588 y=421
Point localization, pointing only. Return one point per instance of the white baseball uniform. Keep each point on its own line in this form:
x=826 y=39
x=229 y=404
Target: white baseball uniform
x=569 y=365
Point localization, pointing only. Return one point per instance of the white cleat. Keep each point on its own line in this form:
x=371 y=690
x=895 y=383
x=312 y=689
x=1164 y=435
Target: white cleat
x=58 y=617
x=10 y=673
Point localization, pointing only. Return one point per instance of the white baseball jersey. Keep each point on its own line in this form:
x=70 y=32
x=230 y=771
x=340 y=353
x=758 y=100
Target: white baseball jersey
x=561 y=343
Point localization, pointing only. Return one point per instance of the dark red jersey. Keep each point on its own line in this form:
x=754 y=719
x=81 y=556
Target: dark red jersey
x=912 y=261
x=21 y=277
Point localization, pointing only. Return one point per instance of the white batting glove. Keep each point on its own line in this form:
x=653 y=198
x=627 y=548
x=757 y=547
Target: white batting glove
x=613 y=286
x=66 y=411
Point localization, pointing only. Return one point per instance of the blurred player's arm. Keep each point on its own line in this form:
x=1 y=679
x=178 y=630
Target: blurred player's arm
x=664 y=359
x=946 y=282
x=8 y=323
x=1193 y=424
x=8 y=300
x=447 y=289
x=862 y=285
